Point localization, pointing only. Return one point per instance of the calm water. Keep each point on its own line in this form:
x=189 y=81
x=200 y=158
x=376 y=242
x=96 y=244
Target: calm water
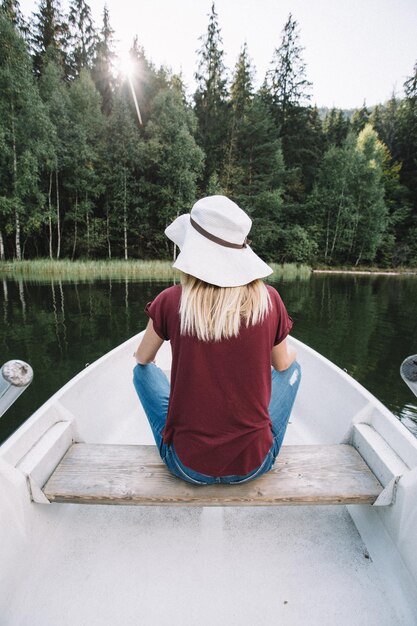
x=366 y=325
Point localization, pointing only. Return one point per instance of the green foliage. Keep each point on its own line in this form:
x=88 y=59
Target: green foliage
x=211 y=99
x=49 y=33
x=173 y=163
x=81 y=175
x=83 y=35
x=335 y=127
x=348 y=199
x=25 y=132
x=103 y=67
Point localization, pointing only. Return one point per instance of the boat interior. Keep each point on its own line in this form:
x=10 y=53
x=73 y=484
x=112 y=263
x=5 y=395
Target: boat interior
x=185 y=562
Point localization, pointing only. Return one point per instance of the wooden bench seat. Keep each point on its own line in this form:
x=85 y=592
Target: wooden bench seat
x=135 y=474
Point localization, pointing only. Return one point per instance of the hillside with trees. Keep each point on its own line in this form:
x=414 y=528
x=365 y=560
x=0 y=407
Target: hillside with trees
x=80 y=177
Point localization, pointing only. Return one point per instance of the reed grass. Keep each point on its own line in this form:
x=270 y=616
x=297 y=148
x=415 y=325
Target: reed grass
x=289 y=271
x=46 y=269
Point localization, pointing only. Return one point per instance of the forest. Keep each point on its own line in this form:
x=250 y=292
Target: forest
x=81 y=177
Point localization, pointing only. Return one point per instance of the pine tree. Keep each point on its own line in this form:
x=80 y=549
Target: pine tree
x=360 y=118
x=241 y=95
x=286 y=81
x=83 y=35
x=287 y=90
x=49 y=32
x=103 y=64
x=211 y=99
x=335 y=127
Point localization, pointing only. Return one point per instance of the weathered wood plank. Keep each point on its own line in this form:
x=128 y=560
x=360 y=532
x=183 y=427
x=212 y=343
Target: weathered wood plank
x=134 y=474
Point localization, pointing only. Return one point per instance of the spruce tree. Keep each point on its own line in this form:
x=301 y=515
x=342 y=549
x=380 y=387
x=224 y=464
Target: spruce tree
x=360 y=118
x=49 y=32
x=241 y=95
x=286 y=80
x=211 y=99
x=103 y=63
x=335 y=127
x=83 y=35
x=287 y=90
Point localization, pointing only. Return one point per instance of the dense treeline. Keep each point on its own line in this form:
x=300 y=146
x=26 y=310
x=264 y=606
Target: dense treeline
x=81 y=177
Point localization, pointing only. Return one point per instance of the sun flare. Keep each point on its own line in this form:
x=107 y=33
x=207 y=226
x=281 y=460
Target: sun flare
x=127 y=65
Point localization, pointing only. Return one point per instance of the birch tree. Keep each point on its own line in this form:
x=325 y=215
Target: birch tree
x=24 y=130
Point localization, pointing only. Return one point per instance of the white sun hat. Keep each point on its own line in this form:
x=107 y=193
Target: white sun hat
x=213 y=244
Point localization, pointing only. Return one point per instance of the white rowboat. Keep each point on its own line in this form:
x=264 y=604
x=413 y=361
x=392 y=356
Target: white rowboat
x=82 y=565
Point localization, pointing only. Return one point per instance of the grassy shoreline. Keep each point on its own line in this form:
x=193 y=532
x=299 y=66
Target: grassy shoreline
x=46 y=269
x=88 y=270
x=367 y=271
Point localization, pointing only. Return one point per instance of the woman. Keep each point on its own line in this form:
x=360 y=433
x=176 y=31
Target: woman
x=218 y=421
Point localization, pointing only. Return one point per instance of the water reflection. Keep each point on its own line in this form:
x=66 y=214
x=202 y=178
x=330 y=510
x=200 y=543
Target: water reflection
x=366 y=325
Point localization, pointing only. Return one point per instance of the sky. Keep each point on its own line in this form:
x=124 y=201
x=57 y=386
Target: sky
x=355 y=51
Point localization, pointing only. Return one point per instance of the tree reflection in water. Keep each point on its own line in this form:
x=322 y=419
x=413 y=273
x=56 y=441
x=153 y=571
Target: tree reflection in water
x=365 y=324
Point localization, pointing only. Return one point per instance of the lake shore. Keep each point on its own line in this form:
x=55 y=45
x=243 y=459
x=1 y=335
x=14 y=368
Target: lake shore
x=136 y=269
x=118 y=269
x=366 y=272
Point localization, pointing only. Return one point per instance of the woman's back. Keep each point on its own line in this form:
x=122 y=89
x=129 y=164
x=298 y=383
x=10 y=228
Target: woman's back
x=218 y=416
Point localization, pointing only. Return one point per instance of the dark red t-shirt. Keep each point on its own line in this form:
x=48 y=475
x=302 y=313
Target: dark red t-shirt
x=218 y=416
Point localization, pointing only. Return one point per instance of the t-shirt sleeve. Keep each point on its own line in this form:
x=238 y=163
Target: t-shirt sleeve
x=157 y=311
x=284 y=321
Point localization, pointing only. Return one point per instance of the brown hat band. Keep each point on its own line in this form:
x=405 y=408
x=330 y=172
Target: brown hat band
x=221 y=242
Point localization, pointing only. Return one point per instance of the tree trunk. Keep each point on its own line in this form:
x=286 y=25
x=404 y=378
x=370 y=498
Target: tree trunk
x=16 y=212
x=2 y=255
x=87 y=219
x=125 y=212
x=108 y=231
x=58 y=214
x=336 y=230
x=50 y=214
x=326 y=252
x=75 y=226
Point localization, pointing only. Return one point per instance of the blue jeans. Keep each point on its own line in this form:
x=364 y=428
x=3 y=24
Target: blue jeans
x=152 y=387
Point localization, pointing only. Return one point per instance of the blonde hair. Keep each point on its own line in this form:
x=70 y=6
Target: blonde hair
x=211 y=313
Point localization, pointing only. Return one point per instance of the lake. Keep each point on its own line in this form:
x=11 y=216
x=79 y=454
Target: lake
x=367 y=325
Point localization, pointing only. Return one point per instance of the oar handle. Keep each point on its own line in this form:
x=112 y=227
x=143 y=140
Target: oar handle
x=15 y=377
x=408 y=372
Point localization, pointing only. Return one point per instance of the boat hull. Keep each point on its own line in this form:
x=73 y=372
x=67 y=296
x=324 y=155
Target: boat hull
x=77 y=564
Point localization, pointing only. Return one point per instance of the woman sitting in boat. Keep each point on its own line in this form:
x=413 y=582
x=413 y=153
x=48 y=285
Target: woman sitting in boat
x=224 y=415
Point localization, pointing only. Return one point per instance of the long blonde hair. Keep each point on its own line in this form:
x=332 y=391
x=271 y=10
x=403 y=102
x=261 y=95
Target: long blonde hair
x=211 y=313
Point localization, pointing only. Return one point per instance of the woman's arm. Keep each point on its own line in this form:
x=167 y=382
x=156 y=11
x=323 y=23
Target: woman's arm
x=149 y=346
x=282 y=356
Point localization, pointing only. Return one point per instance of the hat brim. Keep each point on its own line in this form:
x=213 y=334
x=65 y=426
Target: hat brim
x=212 y=262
